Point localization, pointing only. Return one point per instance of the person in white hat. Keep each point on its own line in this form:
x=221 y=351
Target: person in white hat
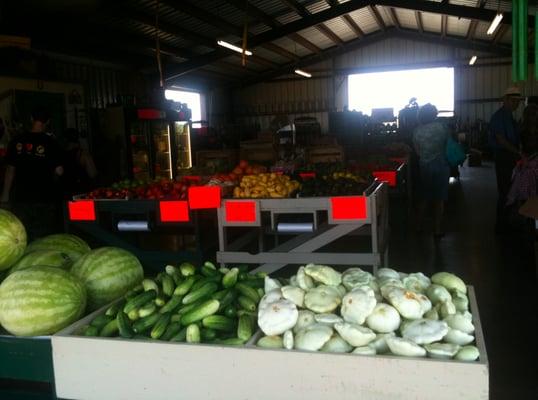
x=505 y=141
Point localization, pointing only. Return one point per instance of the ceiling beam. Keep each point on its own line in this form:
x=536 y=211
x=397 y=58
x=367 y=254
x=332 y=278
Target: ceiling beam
x=377 y=17
x=378 y=36
x=500 y=33
x=353 y=26
x=307 y=44
x=300 y=9
x=420 y=25
x=472 y=29
x=280 y=51
x=334 y=12
x=444 y=25
x=394 y=17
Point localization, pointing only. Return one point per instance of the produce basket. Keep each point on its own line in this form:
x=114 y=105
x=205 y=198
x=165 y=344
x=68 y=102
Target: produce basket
x=139 y=369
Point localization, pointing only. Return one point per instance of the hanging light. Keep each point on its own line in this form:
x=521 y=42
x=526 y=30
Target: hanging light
x=303 y=73
x=472 y=60
x=495 y=23
x=233 y=47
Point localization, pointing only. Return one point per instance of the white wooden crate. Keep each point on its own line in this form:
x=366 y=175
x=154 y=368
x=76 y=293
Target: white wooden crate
x=112 y=368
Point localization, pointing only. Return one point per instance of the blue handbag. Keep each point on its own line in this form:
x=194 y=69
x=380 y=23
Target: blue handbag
x=454 y=152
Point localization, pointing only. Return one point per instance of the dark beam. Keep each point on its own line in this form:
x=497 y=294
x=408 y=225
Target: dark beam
x=304 y=42
x=500 y=33
x=280 y=50
x=444 y=25
x=394 y=18
x=304 y=13
x=418 y=17
x=472 y=29
x=377 y=17
x=353 y=26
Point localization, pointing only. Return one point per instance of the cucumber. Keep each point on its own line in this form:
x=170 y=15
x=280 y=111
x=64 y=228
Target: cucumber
x=244 y=327
x=206 y=290
x=208 y=334
x=171 y=331
x=198 y=284
x=256 y=283
x=160 y=301
x=219 y=323
x=172 y=304
x=109 y=329
x=91 y=331
x=243 y=276
x=112 y=311
x=146 y=323
x=224 y=270
x=184 y=287
x=270 y=342
x=124 y=325
x=131 y=294
x=139 y=301
x=230 y=311
x=184 y=309
x=247 y=291
x=209 y=269
x=246 y=303
x=206 y=309
x=261 y=274
x=261 y=292
x=133 y=314
x=242 y=268
x=168 y=285
x=150 y=284
x=101 y=320
x=228 y=299
x=193 y=334
x=235 y=341
x=147 y=309
x=180 y=336
x=187 y=269
x=230 y=279
x=220 y=294
x=174 y=273
x=160 y=327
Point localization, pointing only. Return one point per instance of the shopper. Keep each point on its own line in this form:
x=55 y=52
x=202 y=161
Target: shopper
x=429 y=140
x=79 y=167
x=529 y=130
x=34 y=164
x=505 y=142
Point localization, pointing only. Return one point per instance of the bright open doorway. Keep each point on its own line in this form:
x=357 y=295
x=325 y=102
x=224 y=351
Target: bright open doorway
x=191 y=98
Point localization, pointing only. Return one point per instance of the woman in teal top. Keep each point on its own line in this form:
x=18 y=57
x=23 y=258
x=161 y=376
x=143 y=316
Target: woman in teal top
x=430 y=139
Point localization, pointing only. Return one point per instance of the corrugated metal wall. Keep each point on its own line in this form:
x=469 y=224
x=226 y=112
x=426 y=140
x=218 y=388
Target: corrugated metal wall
x=475 y=87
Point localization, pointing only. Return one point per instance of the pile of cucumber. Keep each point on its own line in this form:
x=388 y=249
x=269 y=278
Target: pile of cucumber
x=183 y=304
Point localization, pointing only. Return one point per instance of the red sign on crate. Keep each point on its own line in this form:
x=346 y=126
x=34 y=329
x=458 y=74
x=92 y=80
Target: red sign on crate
x=150 y=113
x=81 y=210
x=192 y=178
x=307 y=175
x=386 y=176
x=349 y=208
x=174 y=211
x=201 y=197
x=240 y=211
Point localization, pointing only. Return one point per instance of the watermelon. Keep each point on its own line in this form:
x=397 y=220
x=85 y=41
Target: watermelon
x=40 y=301
x=69 y=244
x=12 y=239
x=107 y=273
x=47 y=258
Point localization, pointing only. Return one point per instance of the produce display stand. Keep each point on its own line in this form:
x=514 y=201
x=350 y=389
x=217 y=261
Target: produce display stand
x=115 y=368
x=120 y=222
x=330 y=218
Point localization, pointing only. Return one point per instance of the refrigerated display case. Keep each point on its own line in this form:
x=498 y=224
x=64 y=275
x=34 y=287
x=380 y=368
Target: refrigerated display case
x=153 y=143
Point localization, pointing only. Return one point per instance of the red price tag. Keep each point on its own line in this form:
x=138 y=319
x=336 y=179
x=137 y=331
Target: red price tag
x=81 y=210
x=202 y=197
x=307 y=175
x=240 y=211
x=174 y=211
x=386 y=176
x=349 y=208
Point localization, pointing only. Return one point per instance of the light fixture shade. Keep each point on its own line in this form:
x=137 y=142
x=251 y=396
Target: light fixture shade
x=303 y=73
x=472 y=60
x=495 y=23
x=233 y=47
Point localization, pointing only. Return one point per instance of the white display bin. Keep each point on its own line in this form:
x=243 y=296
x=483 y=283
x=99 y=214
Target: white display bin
x=115 y=368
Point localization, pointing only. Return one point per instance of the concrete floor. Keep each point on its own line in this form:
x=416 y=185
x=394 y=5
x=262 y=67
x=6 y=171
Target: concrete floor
x=502 y=270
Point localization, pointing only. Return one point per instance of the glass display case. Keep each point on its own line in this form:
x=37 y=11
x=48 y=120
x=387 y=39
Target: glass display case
x=182 y=139
x=139 y=151
x=162 y=164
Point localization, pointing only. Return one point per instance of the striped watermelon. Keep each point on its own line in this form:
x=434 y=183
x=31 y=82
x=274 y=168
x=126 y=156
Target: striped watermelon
x=108 y=273
x=47 y=258
x=72 y=245
x=12 y=239
x=40 y=301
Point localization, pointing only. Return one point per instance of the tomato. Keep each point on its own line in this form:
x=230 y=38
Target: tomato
x=243 y=164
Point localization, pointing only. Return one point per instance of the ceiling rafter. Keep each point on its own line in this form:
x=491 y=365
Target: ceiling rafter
x=500 y=33
x=444 y=25
x=304 y=13
x=378 y=19
x=394 y=17
x=420 y=25
x=353 y=25
x=342 y=9
x=472 y=26
x=377 y=36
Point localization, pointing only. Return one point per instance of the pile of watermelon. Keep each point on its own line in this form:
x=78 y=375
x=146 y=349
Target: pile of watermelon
x=51 y=282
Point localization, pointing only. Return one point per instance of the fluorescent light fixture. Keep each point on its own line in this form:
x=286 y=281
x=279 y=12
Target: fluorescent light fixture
x=495 y=23
x=472 y=60
x=303 y=73
x=234 y=48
